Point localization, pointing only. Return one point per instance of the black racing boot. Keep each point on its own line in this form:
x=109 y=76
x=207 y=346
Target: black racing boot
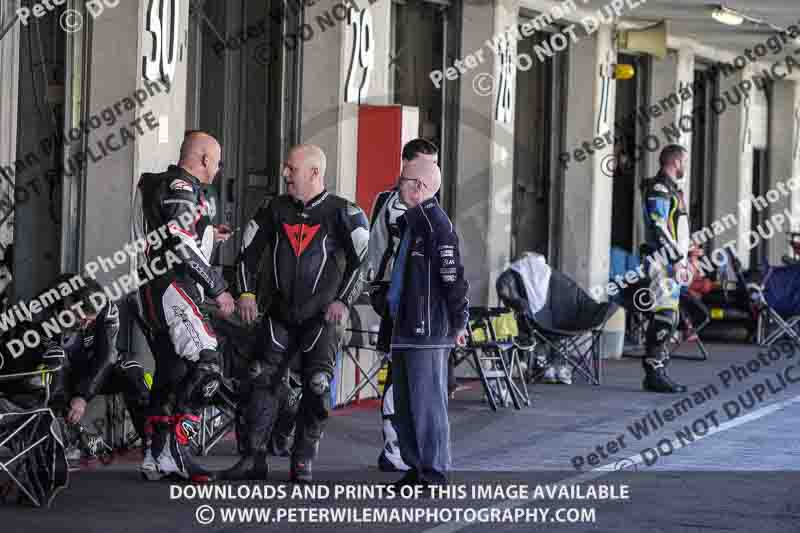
x=169 y=452
x=280 y=445
x=411 y=477
x=656 y=379
x=182 y=439
x=300 y=471
x=253 y=466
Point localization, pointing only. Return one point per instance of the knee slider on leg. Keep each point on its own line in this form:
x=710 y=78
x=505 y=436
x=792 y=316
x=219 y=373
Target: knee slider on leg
x=319 y=383
x=205 y=378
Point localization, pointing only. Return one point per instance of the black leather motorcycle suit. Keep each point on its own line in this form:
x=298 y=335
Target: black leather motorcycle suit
x=184 y=344
x=94 y=366
x=316 y=255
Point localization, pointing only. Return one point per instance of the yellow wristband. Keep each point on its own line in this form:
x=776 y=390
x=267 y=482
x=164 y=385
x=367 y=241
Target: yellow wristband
x=247 y=295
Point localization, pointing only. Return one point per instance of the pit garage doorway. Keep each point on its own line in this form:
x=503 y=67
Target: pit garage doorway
x=245 y=92
x=630 y=167
x=704 y=142
x=425 y=38
x=538 y=131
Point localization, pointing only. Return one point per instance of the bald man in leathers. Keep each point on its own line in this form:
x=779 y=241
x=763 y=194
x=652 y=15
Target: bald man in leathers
x=188 y=364
x=428 y=301
x=317 y=243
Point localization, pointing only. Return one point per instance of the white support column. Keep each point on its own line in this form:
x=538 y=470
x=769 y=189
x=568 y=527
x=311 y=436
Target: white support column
x=733 y=180
x=795 y=157
x=328 y=120
x=485 y=154
x=9 y=86
x=684 y=78
x=586 y=224
x=784 y=158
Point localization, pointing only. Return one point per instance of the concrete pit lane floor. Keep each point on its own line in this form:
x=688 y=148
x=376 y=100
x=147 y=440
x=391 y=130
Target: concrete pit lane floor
x=722 y=457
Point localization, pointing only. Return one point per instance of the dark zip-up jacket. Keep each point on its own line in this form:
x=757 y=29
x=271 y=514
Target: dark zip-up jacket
x=317 y=251
x=433 y=304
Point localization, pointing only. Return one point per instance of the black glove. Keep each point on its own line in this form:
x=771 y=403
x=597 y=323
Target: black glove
x=378 y=298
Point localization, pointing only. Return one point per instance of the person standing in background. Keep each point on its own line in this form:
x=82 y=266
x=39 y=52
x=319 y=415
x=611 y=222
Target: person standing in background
x=384 y=237
x=427 y=300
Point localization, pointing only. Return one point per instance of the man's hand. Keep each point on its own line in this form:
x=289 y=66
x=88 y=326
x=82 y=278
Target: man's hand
x=461 y=338
x=225 y=304
x=76 y=409
x=337 y=312
x=222 y=232
x=248 y=308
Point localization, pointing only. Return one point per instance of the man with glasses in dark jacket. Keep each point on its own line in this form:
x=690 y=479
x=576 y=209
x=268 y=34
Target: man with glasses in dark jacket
x=384 y=237
x=427 y=300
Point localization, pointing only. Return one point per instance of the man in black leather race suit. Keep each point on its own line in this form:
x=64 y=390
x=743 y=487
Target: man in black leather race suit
x=92 y=358
x=317 y=242
x=188 y=365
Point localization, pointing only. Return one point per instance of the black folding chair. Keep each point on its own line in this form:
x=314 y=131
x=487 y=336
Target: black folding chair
x=369 y=376
x=495 y=361
x=569 y=324
x=770 y=325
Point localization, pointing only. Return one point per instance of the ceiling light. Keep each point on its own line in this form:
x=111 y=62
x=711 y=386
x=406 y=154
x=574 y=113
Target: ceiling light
x=727 y=16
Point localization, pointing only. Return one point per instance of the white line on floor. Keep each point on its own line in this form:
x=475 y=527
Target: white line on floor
x=600 y=471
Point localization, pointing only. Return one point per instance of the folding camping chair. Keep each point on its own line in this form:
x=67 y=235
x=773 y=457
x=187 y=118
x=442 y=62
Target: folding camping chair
x=569 y=323
x=353 y=349
x=28 y=427
x=770 y=325
x=494 y=360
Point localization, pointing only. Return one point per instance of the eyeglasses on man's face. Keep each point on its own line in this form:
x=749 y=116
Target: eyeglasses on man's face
x=415 y=183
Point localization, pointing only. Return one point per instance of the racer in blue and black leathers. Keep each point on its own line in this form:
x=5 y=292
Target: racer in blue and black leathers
x=667 y=243
x=315 y=253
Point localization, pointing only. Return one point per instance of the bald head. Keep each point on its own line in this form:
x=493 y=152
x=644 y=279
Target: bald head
x=427 y=172
x=312 y=156
x=201 y=155
x=304 y=171
x=420 y=180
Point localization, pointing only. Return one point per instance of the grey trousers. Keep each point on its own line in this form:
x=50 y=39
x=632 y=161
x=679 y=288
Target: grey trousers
x=420 y=403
